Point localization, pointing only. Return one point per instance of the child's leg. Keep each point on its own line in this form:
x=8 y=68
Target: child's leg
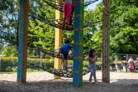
x=90 y=79
x=65 y=63
x=71 y=16
x=62 y=52
x=94 y=74
x=65 y=58
x=65 y=13
x=69 y=12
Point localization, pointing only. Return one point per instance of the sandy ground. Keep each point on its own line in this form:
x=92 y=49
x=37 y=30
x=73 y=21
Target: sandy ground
x=45 y=82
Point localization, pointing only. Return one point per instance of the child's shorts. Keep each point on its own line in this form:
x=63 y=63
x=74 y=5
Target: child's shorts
x=65 y=54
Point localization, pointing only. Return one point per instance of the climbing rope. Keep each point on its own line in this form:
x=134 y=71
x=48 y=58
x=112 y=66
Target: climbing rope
x=90 y=2
x=59 y=72
x=59 y=6
x=54 y=53
x=58 y=24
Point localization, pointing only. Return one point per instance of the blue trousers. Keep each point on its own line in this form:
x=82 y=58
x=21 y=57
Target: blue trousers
x=93 y=73
x=65 y=54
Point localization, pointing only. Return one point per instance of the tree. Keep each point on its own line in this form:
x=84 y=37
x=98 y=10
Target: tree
x=9 y=21
x=41 y=34
x=10 y=51
x=93 y=34
x=123 y=26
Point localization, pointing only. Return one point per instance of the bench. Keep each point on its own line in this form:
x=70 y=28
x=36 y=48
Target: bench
x=121 y=64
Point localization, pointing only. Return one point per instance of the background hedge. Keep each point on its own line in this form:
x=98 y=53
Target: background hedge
x=9 y=64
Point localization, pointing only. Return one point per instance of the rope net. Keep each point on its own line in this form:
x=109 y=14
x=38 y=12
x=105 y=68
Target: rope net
x=59 y=72
x=59 y=6
x=58 y=23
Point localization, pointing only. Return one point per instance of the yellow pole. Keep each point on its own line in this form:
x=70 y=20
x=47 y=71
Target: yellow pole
x=58 y=40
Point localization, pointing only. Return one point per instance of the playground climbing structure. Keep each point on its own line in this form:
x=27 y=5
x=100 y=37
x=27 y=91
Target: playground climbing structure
x=78 y=43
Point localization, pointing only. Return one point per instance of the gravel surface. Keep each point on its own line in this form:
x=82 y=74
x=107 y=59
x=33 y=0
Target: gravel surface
x=45 y=82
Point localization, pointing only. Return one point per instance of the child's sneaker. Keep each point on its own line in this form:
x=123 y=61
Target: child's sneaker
x=95 y=82
x=90 y=81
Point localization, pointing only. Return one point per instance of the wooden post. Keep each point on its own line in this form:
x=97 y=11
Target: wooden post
x=23 y=34
x=105 y=40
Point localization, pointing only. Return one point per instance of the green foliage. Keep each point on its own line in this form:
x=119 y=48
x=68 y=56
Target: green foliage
x=9 y=21
x=9 y=64
x=93 y=34
x=10 y=51
x=1 y=48
x=123 y=26
x=41 y=34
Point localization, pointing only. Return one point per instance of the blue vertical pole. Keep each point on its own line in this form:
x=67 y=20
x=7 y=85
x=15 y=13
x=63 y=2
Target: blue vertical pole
x=78 y=43
x=23 y=33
